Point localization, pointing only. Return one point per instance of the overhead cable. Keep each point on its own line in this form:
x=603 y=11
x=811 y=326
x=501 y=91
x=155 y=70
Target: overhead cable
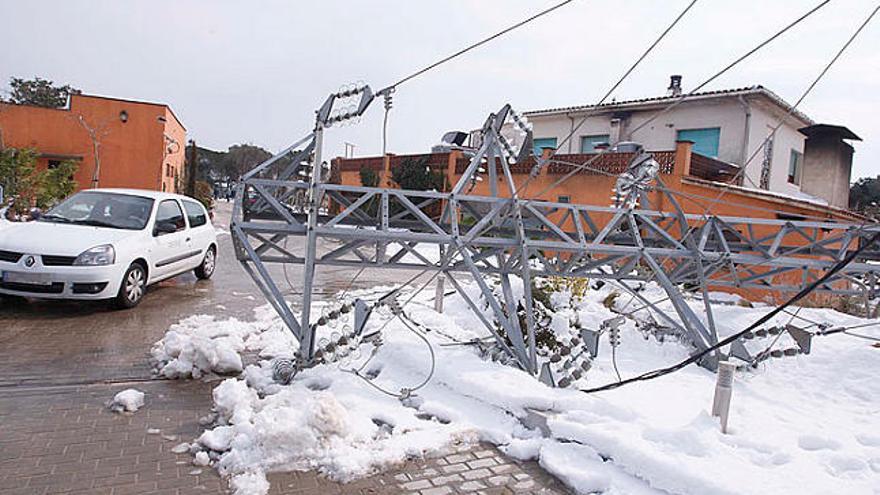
x=650 y=375
x=475 y=45
x=684 y=97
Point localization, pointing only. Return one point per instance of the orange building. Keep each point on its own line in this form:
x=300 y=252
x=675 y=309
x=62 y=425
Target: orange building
x=115 y=142
x=698 y=181
x=700 y=184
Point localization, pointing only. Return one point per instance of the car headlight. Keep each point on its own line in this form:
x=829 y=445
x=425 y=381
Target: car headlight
x=97 y=256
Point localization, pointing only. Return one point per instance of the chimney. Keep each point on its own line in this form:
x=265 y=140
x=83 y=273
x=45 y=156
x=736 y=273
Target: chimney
x=826 y=166
x=674 y=88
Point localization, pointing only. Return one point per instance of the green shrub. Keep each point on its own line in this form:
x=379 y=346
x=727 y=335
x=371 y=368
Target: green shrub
x=25 y=187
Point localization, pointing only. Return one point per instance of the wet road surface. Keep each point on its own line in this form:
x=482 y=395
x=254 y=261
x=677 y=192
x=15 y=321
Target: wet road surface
x=44 y=342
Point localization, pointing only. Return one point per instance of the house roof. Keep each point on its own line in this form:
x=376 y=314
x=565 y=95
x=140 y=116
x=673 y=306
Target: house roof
x=828 y=129
x=644 y=103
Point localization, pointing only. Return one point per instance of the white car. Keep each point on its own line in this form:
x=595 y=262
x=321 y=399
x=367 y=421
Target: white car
x=107 y=244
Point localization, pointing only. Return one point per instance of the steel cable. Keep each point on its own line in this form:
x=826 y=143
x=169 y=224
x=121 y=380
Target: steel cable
x=684 y=97
x=475 y=45
x=730 y=339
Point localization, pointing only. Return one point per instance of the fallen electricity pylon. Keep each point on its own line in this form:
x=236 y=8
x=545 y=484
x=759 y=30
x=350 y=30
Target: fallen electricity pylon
x=505 y=236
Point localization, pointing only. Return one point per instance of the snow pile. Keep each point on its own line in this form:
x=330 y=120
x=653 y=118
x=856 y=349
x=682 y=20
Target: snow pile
x=129 y=400
x=803 y=424
x=202 y=344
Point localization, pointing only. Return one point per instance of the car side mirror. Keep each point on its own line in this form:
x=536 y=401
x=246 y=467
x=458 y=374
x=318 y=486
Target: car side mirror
x=165 y=227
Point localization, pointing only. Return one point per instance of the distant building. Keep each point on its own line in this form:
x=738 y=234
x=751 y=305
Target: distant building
x=803 y=160
x=139 y=144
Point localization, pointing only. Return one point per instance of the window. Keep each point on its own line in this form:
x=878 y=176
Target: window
x=588 y=143
x=195 y=213
x=102 y=209
x=563 y=199
x=541 y=144
x=795 y=162
x=705 y=140
x=53 y=164
x=169 y=212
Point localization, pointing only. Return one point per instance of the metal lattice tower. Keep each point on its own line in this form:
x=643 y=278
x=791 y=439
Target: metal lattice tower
x=506 y=236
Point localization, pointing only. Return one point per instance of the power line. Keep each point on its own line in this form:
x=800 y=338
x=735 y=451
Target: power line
x=696 y=357
x=699 y=87
x=682 y=98
x=387 y=91
x=862 y=325
x=800 y=100
x=625 y=75
x=866 y=337
x=607 y=94
x=617 y=84
x=476 y=45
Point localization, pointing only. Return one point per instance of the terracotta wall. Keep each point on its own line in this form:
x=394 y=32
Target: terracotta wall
x=678 y=172
x=132 y=152
x=174 y=153
x=681 y=171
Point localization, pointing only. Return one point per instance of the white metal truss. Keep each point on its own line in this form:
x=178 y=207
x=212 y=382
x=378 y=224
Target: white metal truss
x=506 y=236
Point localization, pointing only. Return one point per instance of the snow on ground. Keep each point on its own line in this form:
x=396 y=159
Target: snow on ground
x=129 y=400
x=203 y=344
x=805 y=424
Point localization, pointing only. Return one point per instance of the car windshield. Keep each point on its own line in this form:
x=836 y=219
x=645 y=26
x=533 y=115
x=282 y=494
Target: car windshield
x=102 y=209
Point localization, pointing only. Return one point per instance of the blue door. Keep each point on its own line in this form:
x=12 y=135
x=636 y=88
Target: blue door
x=705 y=140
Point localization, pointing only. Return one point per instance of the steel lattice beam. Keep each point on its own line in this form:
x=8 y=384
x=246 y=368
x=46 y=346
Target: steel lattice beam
x=503 y=235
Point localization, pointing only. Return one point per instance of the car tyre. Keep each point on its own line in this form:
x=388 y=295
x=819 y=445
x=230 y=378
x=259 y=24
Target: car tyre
x=133 y=287
x=209 y=263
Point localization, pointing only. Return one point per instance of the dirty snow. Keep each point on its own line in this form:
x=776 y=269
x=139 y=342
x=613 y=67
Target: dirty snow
x=805 y=424
x=129 y=400
x=201 y=459
x=203 y=344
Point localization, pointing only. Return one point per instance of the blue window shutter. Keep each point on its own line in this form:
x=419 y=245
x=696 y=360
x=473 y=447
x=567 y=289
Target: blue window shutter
x=705 y=140
x=541 y=143
x=588 y=143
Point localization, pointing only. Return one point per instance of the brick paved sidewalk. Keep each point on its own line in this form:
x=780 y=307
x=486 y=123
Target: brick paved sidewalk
x=480 y=471
x=64 y=440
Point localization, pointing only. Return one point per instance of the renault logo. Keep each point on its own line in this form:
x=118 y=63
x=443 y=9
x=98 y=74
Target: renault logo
x=29 y=261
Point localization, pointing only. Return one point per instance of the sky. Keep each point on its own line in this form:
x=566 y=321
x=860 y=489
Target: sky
x=255 y=71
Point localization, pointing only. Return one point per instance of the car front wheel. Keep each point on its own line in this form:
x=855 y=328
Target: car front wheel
x=133 y=288
x=206 y=269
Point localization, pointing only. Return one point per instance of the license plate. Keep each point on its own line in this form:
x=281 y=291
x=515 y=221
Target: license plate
x=27 y=278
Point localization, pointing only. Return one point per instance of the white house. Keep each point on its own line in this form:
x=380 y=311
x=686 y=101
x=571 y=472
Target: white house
x=730 y=125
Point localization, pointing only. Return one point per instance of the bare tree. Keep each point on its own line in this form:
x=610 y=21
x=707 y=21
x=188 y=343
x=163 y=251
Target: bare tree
x=96 y=134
